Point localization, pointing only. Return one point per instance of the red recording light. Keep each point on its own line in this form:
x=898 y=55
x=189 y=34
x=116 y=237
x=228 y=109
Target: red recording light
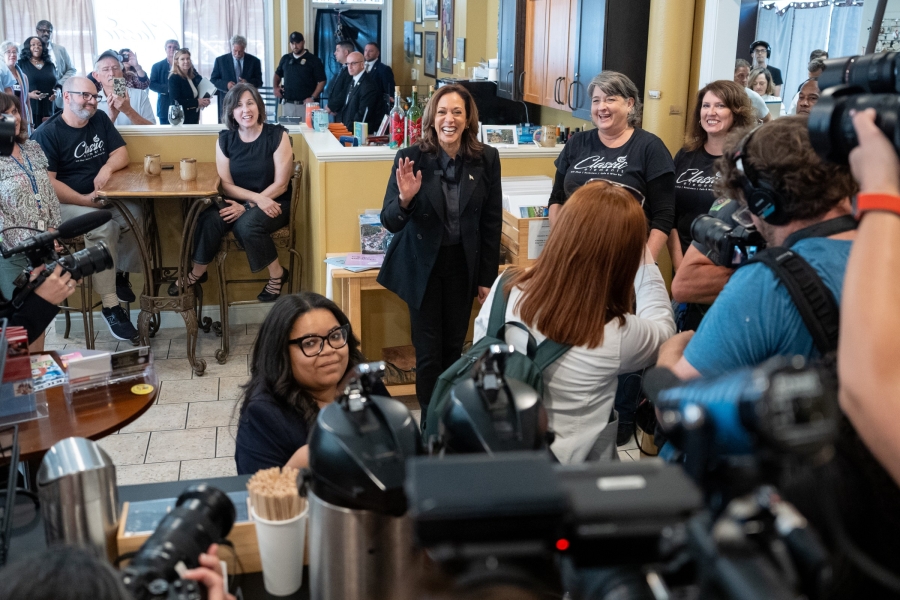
x=562 y=544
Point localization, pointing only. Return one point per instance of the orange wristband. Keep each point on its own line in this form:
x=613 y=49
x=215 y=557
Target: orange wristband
x=885 y=202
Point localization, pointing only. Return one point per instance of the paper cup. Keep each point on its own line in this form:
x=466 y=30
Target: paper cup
x=281 y=547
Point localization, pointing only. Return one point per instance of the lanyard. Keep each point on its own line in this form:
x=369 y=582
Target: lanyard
x=29 y=172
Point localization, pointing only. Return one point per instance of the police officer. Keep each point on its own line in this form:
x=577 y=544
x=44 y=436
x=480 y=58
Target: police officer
x=303 y=76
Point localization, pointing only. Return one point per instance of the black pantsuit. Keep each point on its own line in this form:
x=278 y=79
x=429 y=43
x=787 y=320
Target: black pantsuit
x=439 y=282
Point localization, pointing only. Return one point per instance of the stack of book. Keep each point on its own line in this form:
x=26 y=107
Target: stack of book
x=17 y=390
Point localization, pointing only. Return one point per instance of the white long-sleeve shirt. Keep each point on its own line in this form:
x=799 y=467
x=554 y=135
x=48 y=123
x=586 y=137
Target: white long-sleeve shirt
x=580 y=387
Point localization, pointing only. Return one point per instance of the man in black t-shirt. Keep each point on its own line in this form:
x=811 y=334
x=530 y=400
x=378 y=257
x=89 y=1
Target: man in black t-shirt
x=83 y=150
x=303 y=76
x=761 y=52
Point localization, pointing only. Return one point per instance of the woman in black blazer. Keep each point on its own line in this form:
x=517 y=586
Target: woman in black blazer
x=183 y=84
x=444 y=205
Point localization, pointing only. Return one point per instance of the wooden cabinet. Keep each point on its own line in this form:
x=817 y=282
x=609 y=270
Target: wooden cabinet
x=536 y=16
x=549 y=53
x=511 y=49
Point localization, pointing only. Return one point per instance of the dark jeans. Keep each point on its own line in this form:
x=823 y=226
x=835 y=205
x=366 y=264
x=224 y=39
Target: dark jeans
x=439 y=326
x=628 y=396
x=252 y=230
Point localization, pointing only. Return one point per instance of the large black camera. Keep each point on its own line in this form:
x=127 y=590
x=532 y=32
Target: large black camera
x=203 y=515
x=731 y=246
x=7 y=134
x=855 y=83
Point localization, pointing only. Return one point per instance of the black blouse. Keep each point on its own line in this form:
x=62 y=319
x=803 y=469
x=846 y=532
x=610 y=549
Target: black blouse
x=252 y=164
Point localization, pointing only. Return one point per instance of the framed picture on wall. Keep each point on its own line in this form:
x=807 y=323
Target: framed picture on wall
x=447 y=39
x=431 y=54
x=408 y=30
x=418 y=11
x=460 y=49
x=418 y=44
x=430 y=10
x=499 y=134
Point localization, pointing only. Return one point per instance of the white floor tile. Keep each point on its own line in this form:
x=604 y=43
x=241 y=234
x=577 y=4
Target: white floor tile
x=212 y=414
x=207 y=469
x=153 y=473
x=225 y=441
x=126 y=448
x=189 y=444
x=201 y=389
x=160 y=417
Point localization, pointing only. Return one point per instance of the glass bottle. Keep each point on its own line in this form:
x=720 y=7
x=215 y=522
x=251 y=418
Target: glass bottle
x=398 y=133
x=414 y=120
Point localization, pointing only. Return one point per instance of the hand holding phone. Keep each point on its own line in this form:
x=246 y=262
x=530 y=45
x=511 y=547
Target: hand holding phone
x=119 y=86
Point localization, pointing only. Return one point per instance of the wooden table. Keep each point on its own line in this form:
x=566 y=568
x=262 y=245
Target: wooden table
x=93 y=414
x=132 y=183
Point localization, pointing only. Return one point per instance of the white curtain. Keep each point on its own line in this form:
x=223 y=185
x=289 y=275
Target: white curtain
x=776 y=29
x=73 y=25
x=845 y=25
x=208 y=25
x=809 y=33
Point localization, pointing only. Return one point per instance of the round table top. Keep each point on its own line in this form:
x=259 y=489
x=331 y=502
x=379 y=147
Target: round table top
x=93 y=414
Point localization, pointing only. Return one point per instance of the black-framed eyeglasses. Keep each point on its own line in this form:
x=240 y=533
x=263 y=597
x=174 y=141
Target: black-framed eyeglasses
x=87 y=96
x=312 y=345
x=44 y=30
x=634 y=192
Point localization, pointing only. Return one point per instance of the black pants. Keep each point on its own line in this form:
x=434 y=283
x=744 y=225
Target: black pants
x=439 y=325
x=252 y=230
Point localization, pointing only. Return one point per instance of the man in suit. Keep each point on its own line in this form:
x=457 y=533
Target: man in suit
x=383 y=74
x=58 y=56
x=336 y=88
x=236 y=67
x=363 y=99
x=159 y=81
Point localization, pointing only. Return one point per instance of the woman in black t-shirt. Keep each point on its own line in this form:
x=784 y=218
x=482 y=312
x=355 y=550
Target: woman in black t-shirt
x=34 y=60
x=720 y=107
x=254 y=160
x=621 y=153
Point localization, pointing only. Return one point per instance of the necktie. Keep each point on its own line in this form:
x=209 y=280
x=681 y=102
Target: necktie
x=237 y=69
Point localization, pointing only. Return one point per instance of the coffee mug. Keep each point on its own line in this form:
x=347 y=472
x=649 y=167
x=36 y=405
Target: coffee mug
x=545 y=136
x=188 y=169
x=152 y=165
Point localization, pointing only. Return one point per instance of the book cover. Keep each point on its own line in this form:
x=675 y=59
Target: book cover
x=529 y=212
x=373 y=237
x=364 y=260
x=361 y=132
x=46 y=373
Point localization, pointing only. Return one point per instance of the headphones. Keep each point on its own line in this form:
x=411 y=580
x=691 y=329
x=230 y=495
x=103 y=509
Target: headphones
x=761 y=43
x=763 y=200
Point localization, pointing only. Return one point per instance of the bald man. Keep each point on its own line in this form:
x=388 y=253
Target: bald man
x=364 y=102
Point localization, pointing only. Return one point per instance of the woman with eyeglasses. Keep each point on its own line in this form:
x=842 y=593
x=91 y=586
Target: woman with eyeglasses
x=304 y=349
x=591 y=309
x=34 y=60
x=20 y=88
x=721 y=107
x=183 y=83
x=619 y=151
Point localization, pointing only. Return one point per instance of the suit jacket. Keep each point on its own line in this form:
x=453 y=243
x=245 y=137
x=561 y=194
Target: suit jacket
x=336 y=92
x=384 y=76
x=64 y=69
x=363 y=104
x=159 y=83
x=223 y=72
x=418 y=231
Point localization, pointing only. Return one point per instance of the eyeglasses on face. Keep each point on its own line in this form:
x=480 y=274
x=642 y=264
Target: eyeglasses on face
x=44 y=30
x=634 y=192
x=312 y=345
x=86 y=96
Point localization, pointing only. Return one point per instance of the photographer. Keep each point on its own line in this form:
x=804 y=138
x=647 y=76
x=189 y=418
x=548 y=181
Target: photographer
x=40 y=307
x=775 y=168
x=870 y=323
x=73 y=573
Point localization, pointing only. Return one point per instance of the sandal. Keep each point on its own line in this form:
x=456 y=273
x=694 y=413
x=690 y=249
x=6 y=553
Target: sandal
x=273 y=288
x=192 y=280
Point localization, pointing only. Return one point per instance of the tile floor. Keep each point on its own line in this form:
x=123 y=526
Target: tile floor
x=189 y=432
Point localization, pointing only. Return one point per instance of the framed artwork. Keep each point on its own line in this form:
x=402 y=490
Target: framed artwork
x=430 y=10
x=460 y=49
x=419 y=11
x=499 y=134
x=418 y=44
x=408 y=41
x=431 y=54
x=447 y=39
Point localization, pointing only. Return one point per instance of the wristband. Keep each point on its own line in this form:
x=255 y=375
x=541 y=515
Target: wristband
x=885 y=202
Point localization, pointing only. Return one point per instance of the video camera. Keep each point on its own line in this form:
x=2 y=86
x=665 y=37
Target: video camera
x=7 y=134
x=732 y=246
x=203 y=515
x=855 y=83
x=40 y=250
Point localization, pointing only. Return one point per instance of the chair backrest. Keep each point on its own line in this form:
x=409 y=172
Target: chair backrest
x=271 y=102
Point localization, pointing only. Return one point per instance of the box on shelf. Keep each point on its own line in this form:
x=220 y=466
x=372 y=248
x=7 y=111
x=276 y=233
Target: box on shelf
x=521 y=240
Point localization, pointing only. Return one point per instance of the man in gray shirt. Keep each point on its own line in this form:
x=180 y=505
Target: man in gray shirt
x=58 y=56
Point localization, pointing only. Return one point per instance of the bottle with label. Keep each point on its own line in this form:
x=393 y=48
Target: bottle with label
x=414 y=120
x=398 y=122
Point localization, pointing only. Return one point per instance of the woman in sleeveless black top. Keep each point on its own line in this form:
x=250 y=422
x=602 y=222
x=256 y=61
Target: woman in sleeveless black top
x=255 y=162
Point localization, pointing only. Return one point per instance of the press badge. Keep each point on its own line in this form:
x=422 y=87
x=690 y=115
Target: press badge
x=302 y=61
x=41 y=225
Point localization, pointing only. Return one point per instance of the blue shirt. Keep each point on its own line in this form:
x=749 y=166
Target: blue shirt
x=6 y=78
x=754 y=317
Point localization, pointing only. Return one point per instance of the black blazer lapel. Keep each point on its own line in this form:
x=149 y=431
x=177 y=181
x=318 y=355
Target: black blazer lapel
x=471 y=176
x=431 y=184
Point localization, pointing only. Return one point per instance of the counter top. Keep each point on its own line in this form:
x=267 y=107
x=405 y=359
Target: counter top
x=179 y=130
x=326 y=148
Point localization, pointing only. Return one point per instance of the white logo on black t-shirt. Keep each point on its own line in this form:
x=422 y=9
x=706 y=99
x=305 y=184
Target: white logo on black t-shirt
x=598 y=165
x=89 y=151
x=694 y=179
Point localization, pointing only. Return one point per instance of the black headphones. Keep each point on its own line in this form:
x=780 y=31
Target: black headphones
x=763 y=200
x=761 y=43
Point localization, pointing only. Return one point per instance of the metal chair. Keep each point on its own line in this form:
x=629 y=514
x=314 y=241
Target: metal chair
x=87 y=306
x=285 y=238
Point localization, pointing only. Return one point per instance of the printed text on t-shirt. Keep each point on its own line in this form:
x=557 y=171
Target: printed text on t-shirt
x=694 y=179
x=85 y=151
x=598 y=165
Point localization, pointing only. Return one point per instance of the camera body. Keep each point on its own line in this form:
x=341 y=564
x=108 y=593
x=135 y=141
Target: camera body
x=732 y=245
x=7 y=134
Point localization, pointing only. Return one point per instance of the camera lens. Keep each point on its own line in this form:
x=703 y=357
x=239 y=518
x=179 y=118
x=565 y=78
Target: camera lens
x=872 y=73
x=709 y=231
x=85 y=263
x=831 y=128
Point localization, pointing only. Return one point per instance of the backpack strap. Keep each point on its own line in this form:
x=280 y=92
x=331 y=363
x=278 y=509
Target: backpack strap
x=815 y=302
x=498 y=308
x=548 y=352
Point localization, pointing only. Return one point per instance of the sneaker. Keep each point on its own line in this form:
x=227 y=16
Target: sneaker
x=123 y=288
x=119 y=324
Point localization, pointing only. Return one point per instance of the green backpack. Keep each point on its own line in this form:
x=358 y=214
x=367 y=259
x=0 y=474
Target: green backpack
x=527 y=368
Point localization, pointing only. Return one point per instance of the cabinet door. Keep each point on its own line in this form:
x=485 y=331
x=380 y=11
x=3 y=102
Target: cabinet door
x=510 y=38
x=557 y=77
x=589 y=55
x=535 y=50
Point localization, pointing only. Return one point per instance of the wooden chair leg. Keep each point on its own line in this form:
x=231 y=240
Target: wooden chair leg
x=68 y=318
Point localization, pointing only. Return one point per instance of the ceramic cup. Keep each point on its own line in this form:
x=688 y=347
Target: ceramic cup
x=188 y=169
x=152 y=165
x=545 y=136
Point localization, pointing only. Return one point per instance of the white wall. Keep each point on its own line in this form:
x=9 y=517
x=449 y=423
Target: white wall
x=721 y=20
